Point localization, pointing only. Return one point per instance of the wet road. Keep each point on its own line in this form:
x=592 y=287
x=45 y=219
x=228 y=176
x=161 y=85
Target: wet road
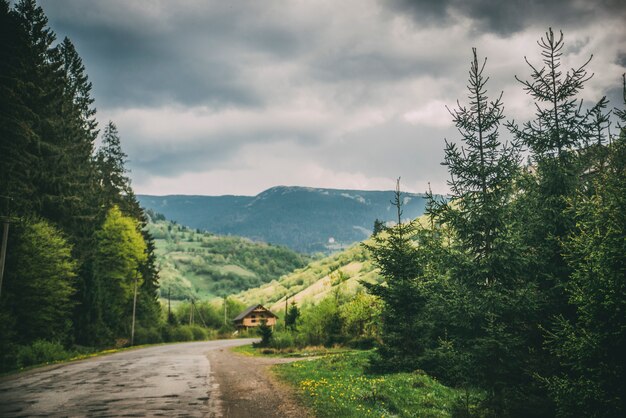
x=171 y=380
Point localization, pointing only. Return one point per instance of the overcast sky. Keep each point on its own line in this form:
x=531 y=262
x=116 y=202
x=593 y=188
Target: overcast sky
x=234 y=97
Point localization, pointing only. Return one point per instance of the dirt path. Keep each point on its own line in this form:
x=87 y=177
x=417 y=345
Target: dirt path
x=248 y=389
x=202 y=379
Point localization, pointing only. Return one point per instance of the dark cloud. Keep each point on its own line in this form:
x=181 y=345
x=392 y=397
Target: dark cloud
x=200 y=57
x=510 y=16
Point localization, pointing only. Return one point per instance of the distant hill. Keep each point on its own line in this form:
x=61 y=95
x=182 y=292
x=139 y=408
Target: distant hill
x=202 y=265
x=304 y=219
x=342 y=271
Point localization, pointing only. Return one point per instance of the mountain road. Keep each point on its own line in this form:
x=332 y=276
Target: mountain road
x=199 y=379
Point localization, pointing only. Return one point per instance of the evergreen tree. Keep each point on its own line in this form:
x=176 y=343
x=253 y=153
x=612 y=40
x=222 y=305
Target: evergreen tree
x=266 y=333
x=591 y=345
x=486 y=297
x=18 y=159
x=112 y=173
x=397 y=256
x=291 y=318
x=558 y=139
x=554 y=138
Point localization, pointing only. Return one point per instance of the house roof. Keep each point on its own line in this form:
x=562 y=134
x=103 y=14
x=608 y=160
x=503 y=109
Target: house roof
x=249 y=309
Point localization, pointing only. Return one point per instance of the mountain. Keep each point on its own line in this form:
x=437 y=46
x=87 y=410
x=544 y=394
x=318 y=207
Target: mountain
x=201 y=265
x=307 y=220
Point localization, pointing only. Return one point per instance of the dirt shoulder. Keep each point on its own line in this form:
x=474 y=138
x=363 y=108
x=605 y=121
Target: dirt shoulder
x=247 y=387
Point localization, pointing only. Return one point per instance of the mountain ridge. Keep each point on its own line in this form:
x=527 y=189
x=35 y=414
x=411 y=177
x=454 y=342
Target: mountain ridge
x=305 y=219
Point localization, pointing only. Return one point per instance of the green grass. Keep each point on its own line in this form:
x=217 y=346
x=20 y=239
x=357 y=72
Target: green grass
x=248 y=350
x=337 y=386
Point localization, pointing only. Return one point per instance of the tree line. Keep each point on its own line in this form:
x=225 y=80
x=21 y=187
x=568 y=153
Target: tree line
x=514 y=289
x=77 y=248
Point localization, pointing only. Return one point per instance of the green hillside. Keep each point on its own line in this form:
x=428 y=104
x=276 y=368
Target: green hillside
x=202 y=265
x=312 y=283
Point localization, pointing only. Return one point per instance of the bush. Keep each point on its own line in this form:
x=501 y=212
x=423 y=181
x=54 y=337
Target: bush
x=181 y=333
x=362 y=343
x=199 y=333
x=148 y=336
x=41 y=351
x=282 y=340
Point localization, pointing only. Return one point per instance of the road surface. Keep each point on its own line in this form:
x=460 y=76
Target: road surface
x=200 y=379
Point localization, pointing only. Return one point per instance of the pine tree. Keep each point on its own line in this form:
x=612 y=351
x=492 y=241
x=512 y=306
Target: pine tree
x=18 y=159
x=486 y=296
x=291 y=318
x=396 y=255
x=590 y=345
x=110 y=163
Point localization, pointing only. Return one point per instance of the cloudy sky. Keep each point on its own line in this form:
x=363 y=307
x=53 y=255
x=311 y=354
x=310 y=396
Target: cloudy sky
x=233 y=97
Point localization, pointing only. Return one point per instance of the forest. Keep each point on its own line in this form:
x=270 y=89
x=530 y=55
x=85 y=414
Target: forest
x=77 y=251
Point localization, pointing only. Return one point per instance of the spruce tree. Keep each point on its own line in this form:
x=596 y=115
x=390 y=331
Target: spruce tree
x=396 y=254
x=486 y=296
x=591 y=344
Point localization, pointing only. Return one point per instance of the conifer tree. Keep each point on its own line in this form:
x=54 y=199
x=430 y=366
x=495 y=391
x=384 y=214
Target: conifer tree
x=18 y=159
x=554 y=138
x=590 y=345
x=110 y=163
x=397 y=256
x=485 y=298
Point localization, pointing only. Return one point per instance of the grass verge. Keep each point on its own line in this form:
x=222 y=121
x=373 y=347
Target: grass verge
x=312 y=351
x=337 y=386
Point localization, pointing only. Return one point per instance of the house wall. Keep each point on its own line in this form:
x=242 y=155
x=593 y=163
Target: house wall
x=255 y=317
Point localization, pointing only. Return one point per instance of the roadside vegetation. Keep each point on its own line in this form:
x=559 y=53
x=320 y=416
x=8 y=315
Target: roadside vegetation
x=337 y=385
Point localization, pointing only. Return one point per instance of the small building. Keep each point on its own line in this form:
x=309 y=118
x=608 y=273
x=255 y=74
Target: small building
x=253 y=316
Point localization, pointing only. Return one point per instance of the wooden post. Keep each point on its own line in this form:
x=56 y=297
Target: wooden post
x=132 y=329
x=225 y=311
x=169 y=304
x=3 y=250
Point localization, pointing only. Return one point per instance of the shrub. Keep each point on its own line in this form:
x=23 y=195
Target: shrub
x=282 y=340
x=41 y=351
x=181 y=333
x=199 y=333
x=148 y=336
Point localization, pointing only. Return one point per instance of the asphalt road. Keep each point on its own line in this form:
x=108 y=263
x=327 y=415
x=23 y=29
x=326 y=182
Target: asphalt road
x=169 y=380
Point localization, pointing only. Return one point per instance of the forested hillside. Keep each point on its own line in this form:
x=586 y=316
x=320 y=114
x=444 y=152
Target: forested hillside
x=305 y=219
x=77 y=248
x=343 y=270
x=201 y=265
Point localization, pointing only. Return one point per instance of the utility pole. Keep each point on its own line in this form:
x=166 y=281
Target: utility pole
x=225 y=310
x=169 y=304
x=191 y=312
x=132 y=329
x=286 y=299
x=5 y=240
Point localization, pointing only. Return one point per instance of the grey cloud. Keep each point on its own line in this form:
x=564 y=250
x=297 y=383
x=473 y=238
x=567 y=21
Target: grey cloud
x=198 y=56
x=511 y=16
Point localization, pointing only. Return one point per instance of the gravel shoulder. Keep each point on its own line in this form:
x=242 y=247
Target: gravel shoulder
x=249 y=389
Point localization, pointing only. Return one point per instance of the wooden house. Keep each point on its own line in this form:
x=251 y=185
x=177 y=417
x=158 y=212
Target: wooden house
x=253 y=316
